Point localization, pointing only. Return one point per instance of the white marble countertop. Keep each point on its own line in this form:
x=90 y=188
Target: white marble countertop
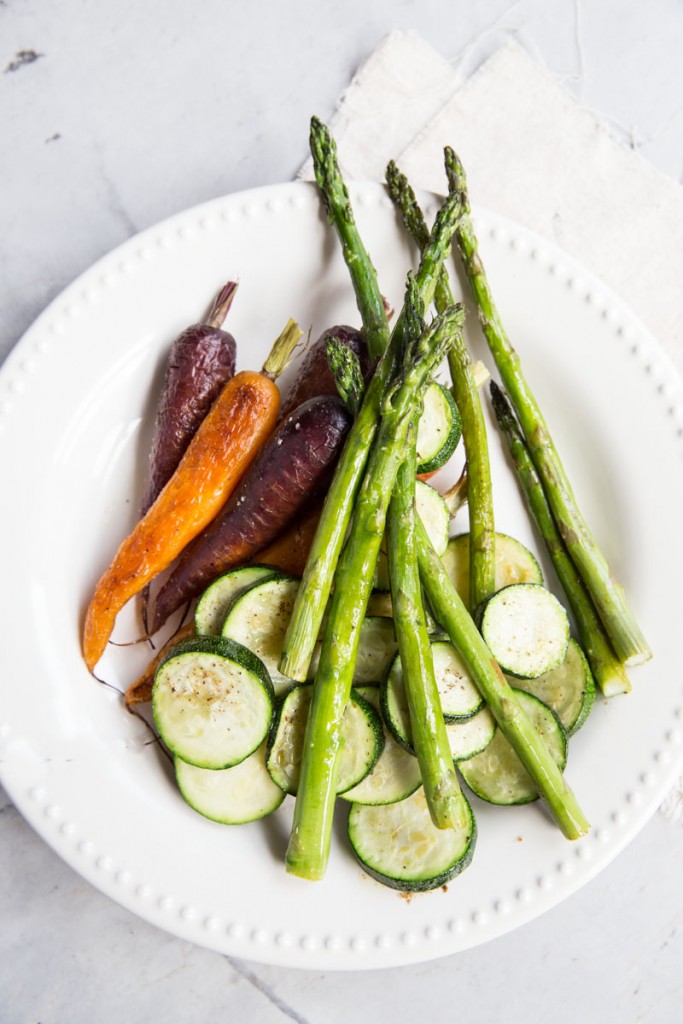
x=116 y=115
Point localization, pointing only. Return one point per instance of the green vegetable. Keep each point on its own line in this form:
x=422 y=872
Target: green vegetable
x=608 y=671
x=338 y=205
x=446 y=803
x=511 y=719
x=607 y=594
x=334 y=521
x=308 y=849
x=466 y=394
x=399 y=846
x=497 y=775
x=212 y=701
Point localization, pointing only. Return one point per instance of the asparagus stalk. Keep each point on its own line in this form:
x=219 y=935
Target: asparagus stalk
x=348 y=376
x=532 y=751
x=606 y=667
x=309 y=608
x=340 y=213
x=607 y=594
x=309 y=843
x=445 y=801
x=466 y=394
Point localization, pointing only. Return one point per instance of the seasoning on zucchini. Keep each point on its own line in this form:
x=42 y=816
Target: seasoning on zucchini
x=399 y=845
x=362 y=740
x=568 y=689
x=497 y=775
x=217 y=599
x=526 y=629
x=212 y=702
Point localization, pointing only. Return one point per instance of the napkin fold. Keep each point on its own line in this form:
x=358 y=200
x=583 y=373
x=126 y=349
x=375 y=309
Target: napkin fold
x=532 y=153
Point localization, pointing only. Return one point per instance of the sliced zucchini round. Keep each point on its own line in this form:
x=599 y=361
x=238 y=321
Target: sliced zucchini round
x=470 y=736
x=433 y=511
x=460 y=699
x=215 y=602
x=514 y=563
x=497 y=775
x=231 y=796
x=399 y=845
x=568 y=689
x=526 y=629
x=376 y=649
x=212 y=701
x=259 y=617
x=395 y=775
x=439 y=429
x=362 y=740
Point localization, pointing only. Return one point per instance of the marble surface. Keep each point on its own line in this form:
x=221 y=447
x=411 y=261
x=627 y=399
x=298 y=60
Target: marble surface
x=115 y=115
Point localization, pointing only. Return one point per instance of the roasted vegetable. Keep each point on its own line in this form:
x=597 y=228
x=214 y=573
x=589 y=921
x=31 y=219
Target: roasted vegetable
x=314 y=376
x=292 y=467
x=229 y=437
x=200 y=362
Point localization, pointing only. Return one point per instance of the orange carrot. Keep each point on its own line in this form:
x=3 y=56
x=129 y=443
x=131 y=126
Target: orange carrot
x=238 y=423
x=290 y=550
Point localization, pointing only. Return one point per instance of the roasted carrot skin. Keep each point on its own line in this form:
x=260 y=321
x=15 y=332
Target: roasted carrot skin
x=294 y=466
x=236 y=426
x=314 y=376
x=201 y=361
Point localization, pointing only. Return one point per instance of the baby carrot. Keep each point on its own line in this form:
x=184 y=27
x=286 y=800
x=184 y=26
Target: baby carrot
x=239 y=421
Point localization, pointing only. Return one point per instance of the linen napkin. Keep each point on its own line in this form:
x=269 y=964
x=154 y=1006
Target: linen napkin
x=532 y=154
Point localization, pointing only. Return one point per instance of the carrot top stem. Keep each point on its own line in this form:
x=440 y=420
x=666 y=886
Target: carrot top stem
x=221 y=305
x=282 y=352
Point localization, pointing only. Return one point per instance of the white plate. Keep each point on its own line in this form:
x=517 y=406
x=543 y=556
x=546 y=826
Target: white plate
x=76 y=400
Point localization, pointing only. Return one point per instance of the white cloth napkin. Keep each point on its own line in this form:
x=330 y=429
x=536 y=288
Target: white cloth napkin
x=533 y=154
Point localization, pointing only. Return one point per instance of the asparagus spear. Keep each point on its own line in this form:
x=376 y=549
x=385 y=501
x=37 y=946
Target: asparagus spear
x=606 y=667
x=348 y=376
x=339 y=211
x=309 y=843
x=607 y=594
x=466 y=394
x=313 y=594
x=444 y=798
x=532 y=751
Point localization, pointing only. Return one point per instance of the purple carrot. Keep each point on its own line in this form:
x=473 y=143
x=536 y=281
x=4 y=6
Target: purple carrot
x=314 y=376
x=201 y=360
x=294 y=465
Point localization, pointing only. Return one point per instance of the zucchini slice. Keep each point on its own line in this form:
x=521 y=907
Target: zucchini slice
x=376 y=649
x=433 y=511
x=258 y=619
x=514 y=563
x=231 y=796
x=362 y=740
x=399 y=845
x=215 y=602
x=212 y=702
x=460 y=699
x=497 y=775
x=396 y=774
x=439 y=429
x=470 y=736
x=526 y=629
x=568 y=689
